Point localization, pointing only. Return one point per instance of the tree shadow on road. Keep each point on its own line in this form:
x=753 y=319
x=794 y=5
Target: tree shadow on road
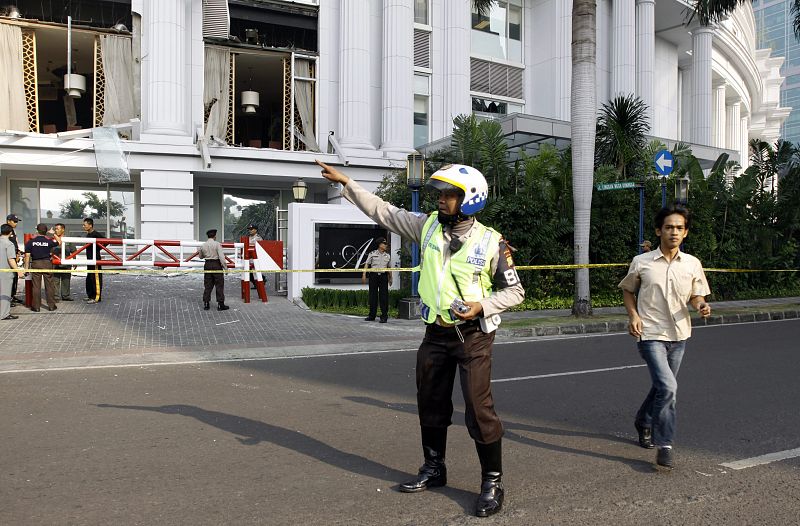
x=510 y=427
x=252 y=432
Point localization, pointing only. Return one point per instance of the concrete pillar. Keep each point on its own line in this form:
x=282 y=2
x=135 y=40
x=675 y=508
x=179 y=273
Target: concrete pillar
x=734 y=120
x=701 y=85
x=398 y=76
x=687 y=101
x=167 y=76
x=167 y=205
x=719 y=131
x=354 y=78
x=456 y=65
x=646 y=55
x=744 y=141
x=623 y=50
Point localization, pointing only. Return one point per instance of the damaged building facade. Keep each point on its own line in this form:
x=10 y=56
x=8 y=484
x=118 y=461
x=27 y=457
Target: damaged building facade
x=223 y=105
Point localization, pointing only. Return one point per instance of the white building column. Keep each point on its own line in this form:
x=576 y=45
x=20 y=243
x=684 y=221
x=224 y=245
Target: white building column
x=398 y=75
x=167 y=87
x=354 y=78
x=623 y=51
x=167 y=202
x=686 y=101
x=456 y=65
x=646 y=55
x=744 y=141
x=734 y=120
x=718 y=132
x=701 y=85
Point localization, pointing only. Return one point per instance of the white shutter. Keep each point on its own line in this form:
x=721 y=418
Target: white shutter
x=496 y=79
x=216 y=19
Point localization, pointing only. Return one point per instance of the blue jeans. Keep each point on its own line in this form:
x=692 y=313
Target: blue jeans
x=658 y=409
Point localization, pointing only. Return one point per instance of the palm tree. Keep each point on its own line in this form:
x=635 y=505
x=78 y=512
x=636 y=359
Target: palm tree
x=621 y=132
x=484 y=6
x=582 y=107
x=711 y=11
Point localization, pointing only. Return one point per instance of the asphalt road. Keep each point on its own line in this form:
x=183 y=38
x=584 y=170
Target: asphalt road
x=326 y=440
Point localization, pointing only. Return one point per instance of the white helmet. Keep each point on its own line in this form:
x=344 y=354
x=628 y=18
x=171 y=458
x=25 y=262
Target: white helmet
x=466 y=179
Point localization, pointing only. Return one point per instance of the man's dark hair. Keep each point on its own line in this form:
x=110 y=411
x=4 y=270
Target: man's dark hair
x=675 y=208
x=41 y=228
x=88 y=220
x=62 y=225
x=5 y=229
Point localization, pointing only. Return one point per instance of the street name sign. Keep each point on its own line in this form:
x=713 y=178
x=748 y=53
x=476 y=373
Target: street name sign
x=615 y=186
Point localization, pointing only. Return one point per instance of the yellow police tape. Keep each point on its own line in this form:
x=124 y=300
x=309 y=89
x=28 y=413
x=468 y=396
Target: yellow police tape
x=184 y=270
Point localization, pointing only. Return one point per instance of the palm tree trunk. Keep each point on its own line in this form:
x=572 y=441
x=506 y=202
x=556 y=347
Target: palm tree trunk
x=583 y=109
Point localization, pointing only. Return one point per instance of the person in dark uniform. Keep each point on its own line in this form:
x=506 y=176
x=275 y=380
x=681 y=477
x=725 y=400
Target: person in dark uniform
x=94 y=280
x=467 y=277
x=12 y=220
x=37 y=257
x=211 y=252
x=8 y=262
x=379 y=282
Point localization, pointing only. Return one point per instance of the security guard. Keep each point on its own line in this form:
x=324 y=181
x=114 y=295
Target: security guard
x=211 y=252
x=13 y=220
x=379 y=282
x=467 y=277
x=94 y=280
x=37 y=256
x=253 y=237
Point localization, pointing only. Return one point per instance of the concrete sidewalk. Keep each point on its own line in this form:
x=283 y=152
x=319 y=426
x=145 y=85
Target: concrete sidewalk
x=157 y=319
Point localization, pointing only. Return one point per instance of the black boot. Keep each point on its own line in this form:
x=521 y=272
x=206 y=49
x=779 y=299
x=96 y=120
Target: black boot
x=433 y=472
x=222 y=306
x=206 y=305
x=491 y=498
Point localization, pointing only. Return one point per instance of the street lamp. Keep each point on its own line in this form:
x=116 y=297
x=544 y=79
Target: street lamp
x=415 y=178
x=299 y=190
x=682 y=190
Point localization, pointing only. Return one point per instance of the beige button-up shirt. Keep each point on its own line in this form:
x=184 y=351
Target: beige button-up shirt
x=378 y=259
x=212 y=249
x=663 y=289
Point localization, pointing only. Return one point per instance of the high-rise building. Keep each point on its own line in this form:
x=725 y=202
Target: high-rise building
x=774 y=31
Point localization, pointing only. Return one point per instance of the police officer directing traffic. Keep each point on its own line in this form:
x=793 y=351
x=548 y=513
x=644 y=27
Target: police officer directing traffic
x=379 y=282
x=467 y=277
x=211 y=252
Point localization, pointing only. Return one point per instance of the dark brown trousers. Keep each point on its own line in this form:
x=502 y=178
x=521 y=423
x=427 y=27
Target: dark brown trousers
x=213 y=280
x=439 y=355
x=36 y=284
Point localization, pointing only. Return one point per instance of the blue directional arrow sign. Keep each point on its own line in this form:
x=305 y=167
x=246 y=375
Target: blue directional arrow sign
x=663 y=162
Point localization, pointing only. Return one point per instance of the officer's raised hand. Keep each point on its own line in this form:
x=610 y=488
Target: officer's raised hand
x=332 y=174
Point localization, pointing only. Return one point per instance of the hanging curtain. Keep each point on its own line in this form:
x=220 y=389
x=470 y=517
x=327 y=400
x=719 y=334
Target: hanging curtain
x=216 y=91
x=13 y=109
x=304 y=103
x=118 y=70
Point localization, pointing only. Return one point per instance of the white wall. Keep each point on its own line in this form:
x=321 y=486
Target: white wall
x=665 y=110
x=300 y=255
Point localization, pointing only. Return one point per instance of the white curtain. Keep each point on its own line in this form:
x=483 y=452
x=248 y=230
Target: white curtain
x=216 y=91
x=13 y=109
x=304 y=101
x=118 y=71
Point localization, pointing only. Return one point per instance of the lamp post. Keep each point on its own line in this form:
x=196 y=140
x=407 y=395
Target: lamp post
x=299 y=191
x=415 y=178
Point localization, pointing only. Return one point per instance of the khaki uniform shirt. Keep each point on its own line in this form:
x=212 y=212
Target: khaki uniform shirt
x=663 y=289
x=7 y=251
x=377 y=259
x=409 y=225
x=254 y=238
x=211 y=249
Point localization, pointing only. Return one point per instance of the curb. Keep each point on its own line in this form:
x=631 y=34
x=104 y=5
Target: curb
x=622 y=326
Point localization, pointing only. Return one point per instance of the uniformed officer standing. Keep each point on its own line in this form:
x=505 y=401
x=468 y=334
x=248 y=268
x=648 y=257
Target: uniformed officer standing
x=62 y=279
x=94 y=280
x=12 y=220
x=211 y=252
x=8 y=260
x=378 y=281
x=37 y=257
x=461 y=260
x=252 y=232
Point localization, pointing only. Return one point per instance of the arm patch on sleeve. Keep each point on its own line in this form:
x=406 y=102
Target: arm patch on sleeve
x=506 y=274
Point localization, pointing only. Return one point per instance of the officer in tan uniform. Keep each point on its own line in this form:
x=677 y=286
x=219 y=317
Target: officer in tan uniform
x=467 y=277
x=211 y=252
x=379 y=282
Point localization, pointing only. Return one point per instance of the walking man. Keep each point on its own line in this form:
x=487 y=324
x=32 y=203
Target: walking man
x=8 y=260
x=379 y=282
x=467 y=278
x=94 y=280
x=656 y=291
x=211 y=252
x=62 y=279
x=37 y=257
